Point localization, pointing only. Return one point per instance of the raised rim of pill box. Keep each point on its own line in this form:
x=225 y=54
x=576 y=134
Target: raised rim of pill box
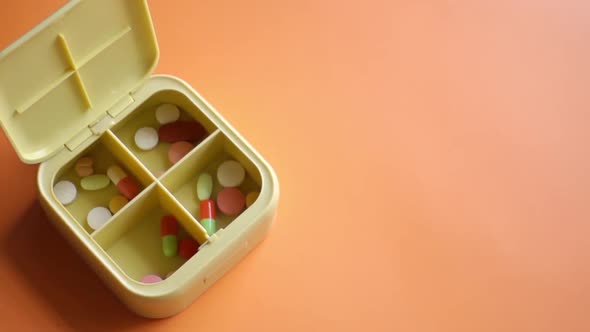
x=72 y=70
x=213 y=261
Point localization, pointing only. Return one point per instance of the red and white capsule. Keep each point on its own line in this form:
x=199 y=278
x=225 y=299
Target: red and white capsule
x=126 y=185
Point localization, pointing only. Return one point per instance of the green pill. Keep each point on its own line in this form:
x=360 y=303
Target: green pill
x=95 y=182
x=209 y=225
x=204 y=186
x=169 y=245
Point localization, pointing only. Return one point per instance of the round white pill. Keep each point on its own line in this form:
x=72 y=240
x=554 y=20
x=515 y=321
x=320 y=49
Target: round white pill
x=231 y=173
x=65 y=191
x=146 y=138
x=167 y=113
x=98 y=217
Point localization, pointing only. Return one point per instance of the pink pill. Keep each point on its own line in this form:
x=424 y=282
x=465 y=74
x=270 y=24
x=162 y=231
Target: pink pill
x=151 y=279
x=178 y=150
x=231 y=201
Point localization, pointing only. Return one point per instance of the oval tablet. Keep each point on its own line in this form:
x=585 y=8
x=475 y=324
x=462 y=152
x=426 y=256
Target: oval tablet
x=84 y=167
x=95 y=182
x=146 y=138
x=231 y=173
x=151 y=279
x=167 y=113
x=117 y=203
x=98 y=217
x=204 y=186
x=65 y=192
x=182 y=131
x=231 y=201
x=178 y=150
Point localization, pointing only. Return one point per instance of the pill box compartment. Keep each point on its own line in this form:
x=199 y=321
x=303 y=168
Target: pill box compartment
x=182 y=180
x=107 y=151
x=156 y=160
x=132 y=238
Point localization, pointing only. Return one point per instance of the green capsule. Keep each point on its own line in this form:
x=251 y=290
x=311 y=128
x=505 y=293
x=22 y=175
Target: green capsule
x=209 y=225
x=204 y=186
x=169 y=245
x=95 y=182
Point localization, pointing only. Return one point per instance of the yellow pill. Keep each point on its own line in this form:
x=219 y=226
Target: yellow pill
x=251 y=198
x=117 y=203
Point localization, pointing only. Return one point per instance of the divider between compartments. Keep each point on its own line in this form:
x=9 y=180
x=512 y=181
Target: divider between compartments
x=127 y=158
x=188 y=222
x=134 y=213
x=202 y=155
x=128 y=217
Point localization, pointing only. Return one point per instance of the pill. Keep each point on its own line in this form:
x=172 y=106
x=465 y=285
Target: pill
x=209 y=225
x=151 y=279
x=251 y=198
x=231 y=201
x=187 y=248
x=182 y=131
x=178 y=150
x=65 y=192
x=126 y=185
x=84 y=167
x=169 y=232
x=98 y=217
x=207 y=215
x=117 y=203
x=95 y=182
x=167 y=113
x=231 y=173
x=204 y=186
x=207 y=209
x=146 y=138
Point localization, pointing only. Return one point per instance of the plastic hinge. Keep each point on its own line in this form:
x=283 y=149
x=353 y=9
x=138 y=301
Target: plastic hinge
x=101 y=125
x=79 y=139
x=121 y=105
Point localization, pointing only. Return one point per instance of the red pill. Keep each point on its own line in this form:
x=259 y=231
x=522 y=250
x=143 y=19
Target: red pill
x=168 y=226
x=168 y=231
x=207 y=210
x=182 y=131
x=124 y=183
x=187 y=248
x=178 y=150
x=128 y=187
x=231 y=201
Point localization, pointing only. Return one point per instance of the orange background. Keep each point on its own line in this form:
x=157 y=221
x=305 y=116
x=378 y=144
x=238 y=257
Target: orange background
x=433 y=157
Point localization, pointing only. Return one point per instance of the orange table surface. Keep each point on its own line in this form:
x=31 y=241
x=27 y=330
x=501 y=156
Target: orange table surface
x=433 y=157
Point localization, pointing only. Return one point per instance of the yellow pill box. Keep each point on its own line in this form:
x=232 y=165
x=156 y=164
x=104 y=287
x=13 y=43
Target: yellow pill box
x=81 y=84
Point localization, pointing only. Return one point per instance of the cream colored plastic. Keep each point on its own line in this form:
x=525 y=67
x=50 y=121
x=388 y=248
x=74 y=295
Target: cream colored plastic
x=66 y=73
x=128 y=246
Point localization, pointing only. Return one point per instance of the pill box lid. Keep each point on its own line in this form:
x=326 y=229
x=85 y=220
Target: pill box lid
x=64 y=75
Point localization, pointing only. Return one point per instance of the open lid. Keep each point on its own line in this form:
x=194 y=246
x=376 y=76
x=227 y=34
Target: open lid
x=63 y=76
